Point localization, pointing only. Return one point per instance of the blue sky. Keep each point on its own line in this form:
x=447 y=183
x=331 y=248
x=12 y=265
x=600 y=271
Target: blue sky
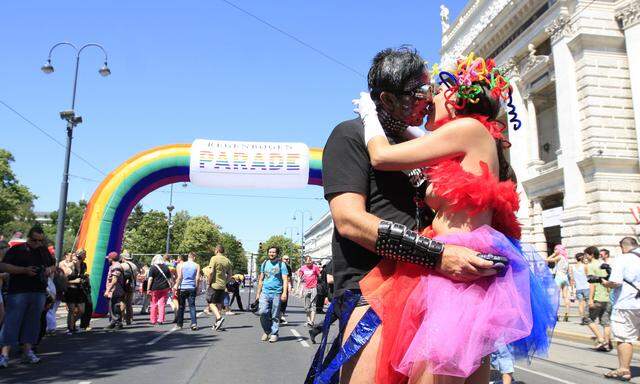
x=193 y=69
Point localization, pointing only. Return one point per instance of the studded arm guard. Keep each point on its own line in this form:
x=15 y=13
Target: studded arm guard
x=396 y=242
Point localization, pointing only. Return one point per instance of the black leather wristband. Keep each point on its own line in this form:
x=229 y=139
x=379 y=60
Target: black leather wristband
x=396 y=242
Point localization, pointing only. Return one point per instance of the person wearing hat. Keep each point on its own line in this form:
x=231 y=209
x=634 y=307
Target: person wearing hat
x=85 y=320
x=115 y=290
x=130 y=271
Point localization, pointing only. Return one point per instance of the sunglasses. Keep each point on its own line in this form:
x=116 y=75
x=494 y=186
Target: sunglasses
x=423 y=92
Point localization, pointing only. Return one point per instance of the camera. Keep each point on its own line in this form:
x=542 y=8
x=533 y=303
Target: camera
x=40 y=274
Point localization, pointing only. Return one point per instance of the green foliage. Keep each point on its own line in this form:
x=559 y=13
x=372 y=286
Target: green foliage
x=135 y=218
x=178 y=225
x=16 y=201
x=287 y=247
x=234 y=251
x=201 y=236
x=73 y=219
x=149 y=236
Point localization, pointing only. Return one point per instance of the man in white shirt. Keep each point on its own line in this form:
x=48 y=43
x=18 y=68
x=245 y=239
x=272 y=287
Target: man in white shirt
x=625 y=319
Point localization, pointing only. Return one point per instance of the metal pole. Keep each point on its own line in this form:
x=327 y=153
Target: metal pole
x=250 y=281
x=169 y=208
x=64 y=186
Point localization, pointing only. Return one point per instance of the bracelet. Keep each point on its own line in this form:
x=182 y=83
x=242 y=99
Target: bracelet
x=398 y=243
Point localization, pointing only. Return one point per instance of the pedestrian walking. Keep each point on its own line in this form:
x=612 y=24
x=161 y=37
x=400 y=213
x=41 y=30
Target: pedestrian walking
x=309 y=274
x=272 y=280
x=29 y=265
x=159 y=282
x=114 y=290
x=73 y=296
x=234 y=289
x=502 y=361
x=289 y=287
x=625 y=318
x=218 y=276
x=599 y=301
x=188 y=273
x=130 y=272
x=85 y=319
x=560 y=259
x=578 y=278
x=143 y=281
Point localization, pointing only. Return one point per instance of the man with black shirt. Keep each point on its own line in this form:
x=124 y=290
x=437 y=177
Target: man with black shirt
x=367 y=204
x=26 y=295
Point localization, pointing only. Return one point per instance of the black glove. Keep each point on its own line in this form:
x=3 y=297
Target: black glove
x=594 y=279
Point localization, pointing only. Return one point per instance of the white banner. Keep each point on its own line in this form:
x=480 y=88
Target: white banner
x=551 y=217
x=246 y=164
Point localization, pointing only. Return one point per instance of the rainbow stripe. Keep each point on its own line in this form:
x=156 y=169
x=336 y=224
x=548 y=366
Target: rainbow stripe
x=106 y=215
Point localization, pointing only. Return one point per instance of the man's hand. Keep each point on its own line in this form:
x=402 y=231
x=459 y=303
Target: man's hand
x=29 y=271
x=591 y=304
x=283 y=297
x=461 y=264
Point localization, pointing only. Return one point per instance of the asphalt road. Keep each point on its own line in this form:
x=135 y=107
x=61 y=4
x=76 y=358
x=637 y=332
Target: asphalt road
x=143 y=354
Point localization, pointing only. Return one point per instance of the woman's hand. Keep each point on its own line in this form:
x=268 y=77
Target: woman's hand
x=462 y=264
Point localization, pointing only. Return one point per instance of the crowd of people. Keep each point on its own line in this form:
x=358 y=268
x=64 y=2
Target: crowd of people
x=34 y=286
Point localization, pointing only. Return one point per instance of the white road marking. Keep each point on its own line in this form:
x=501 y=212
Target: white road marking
x=84 y=382
x=559 y=380
x=167 y=333
x=299 y=337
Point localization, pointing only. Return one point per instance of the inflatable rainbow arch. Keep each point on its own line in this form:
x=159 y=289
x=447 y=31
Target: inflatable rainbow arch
x=104 y=220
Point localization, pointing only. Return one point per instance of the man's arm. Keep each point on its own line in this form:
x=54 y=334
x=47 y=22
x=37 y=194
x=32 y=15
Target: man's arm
x=259 y=289
x=179 y=276
x=197 y=275
x=16 y=270
x=353 y=222
x=285 y=281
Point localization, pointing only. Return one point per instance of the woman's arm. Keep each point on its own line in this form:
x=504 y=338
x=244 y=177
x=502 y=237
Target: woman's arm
x=451 y=140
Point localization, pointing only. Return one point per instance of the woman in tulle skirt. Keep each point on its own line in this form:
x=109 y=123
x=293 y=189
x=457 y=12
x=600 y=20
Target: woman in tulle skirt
x=436 y=330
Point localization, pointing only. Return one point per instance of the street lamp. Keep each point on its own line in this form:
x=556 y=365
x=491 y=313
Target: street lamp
x=72 y=121
x=302 y=212
x=289 y=231
x=170 y=208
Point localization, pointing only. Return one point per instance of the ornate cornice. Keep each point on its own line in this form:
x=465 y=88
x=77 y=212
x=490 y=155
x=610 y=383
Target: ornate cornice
x=484 y=19
x=510 y=68
x=629 y=15
x=559 y=28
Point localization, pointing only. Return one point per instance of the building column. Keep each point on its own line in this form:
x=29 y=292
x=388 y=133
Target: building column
x=518 y=153
x=538 y=238
x=576 y=212
x=534 y=143
x=629 y=17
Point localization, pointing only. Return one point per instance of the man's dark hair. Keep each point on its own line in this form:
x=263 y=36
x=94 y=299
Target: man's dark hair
x=629 y=242
x=184 y=257
x=276 y=248
x=219 y=248
x=606 y=251
x=579 y=256
x=35 y=229
x=392 y=68
x=593 y=251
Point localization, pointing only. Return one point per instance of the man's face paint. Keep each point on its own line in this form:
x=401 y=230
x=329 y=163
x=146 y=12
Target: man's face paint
x=415 y=101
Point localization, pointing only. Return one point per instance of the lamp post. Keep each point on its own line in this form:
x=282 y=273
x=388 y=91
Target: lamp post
x=289 y=231
x=72 y=121
x=170 y=208
x=302 y=213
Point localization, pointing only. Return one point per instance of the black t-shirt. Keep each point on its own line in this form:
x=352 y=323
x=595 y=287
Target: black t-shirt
x=23 y=256
x=159 y=282
x=346 y=167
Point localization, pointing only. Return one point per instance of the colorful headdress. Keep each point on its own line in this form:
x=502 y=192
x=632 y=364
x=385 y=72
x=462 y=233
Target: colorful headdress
x=466 y=80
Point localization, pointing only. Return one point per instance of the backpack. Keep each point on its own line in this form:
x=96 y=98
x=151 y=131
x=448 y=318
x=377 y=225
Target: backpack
x=129 y=278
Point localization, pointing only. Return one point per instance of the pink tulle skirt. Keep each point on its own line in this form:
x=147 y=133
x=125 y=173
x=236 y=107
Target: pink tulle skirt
x=431 y=322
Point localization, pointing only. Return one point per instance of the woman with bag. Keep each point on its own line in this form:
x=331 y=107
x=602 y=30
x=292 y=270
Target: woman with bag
x=158 y=288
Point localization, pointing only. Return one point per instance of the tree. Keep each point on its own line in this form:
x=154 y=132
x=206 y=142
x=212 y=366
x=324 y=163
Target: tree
x=135 y=217
x=16 y=201
x=200 y=236
x=234 y=251
x=178 y=225
x=73 y=218
x=287 y=247
x=149 y=236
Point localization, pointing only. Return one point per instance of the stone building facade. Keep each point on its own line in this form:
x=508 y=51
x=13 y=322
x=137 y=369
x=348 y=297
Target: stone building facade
x=317 y=239
x=575 y=67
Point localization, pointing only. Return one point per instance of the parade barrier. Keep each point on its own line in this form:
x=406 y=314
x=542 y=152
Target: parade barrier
x=211 y=163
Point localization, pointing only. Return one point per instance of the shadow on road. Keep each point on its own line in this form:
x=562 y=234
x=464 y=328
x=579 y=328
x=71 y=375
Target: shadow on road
x=99 y=354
